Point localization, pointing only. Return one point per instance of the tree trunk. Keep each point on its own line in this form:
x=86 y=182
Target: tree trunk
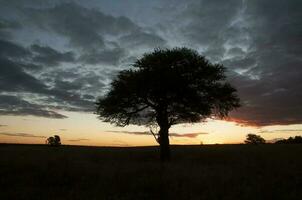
x=163 y=123
x=164 y=143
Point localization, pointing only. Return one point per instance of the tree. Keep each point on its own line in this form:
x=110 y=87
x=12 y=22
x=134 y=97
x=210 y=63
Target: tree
x=54 y=141
x=167 y=87
x=290 y=140
x=254 y=139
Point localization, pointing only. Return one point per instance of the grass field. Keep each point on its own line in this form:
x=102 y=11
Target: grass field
x=196 y=172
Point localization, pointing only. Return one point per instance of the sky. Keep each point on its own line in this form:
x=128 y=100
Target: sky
x=57 y=57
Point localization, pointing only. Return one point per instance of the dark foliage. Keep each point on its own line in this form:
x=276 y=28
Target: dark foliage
x=254 y=139
x=168 y=87
x=290 y=140
x=54 y=141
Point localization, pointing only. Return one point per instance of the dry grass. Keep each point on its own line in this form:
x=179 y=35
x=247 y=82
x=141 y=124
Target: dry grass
x=196 y=172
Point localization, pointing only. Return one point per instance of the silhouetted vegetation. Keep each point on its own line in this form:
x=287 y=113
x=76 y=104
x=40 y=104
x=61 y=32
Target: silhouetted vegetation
x=54 y=141
x=254 y=139
x=167 y=87
x=209 y=172
x=290 y=140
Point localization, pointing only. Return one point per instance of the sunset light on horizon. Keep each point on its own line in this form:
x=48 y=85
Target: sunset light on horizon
x=86 y=129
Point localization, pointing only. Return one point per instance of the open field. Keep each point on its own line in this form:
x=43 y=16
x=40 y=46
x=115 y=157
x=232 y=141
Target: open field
x=196 y=172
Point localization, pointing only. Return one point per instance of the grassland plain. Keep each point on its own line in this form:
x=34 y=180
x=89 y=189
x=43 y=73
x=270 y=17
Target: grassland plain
x=195 y=172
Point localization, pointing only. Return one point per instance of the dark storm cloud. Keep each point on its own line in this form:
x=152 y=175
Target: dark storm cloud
x=267 y=103
x=260 y=44
x=49 y=56
x=13 y=78
x=206 y=22
x=35 y=54
x=89 y=97
x=107 y=57
x=69 y=101
x=236 y=52
x=80 y=90
x=9 y=24
x=35 y=57
x=28 y=69
x=6 y=26
x=21 y=135
x=142 y=39
x=89 y=29
x=68 y=85
x=84 y=27
x=188 y=135
x=12 y=105
x=274 y=59
x=70 y=20
x=15 y=60
x=11 y=50
x=258 y=41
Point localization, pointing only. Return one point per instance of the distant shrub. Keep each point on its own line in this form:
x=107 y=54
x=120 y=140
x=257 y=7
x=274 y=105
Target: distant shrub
x=254 y=139
x=54 y=141
x=290 y=140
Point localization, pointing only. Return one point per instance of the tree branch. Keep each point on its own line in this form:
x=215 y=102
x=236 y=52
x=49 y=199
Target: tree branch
x=137 y=110
x=146 y=101
x=129 y=114
x=154 y=135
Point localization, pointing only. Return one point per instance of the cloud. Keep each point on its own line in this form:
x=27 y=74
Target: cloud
x=11 y=50
x=187 y=135
x=12 y=105
x=70 y=20
x=142 y=39
x=15 y=79
x=107 y=56
x=21 y=135
x=260 y=47
x=97 y=36
x=36 y=54
x=281 y=131
x=78 y=140
x=27 y=64
x=6 y=26
x=273 y=98
x=49 y=56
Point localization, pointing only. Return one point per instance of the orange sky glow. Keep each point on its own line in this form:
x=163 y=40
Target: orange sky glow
x=86 y=129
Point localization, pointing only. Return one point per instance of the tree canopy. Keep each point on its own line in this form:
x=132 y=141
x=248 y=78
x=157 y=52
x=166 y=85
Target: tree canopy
x=167 y=87
x=254 y=139
x=290 y=140
x=54 y=141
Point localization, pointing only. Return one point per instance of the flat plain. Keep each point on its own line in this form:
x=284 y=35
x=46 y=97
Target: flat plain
x=195 y=172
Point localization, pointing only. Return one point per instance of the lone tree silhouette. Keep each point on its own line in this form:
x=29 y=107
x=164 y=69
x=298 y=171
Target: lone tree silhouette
x=254 y=139
x=54 y=141
x=167 y=87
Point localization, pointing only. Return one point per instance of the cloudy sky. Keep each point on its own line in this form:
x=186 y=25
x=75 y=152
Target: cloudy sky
x=58 y=56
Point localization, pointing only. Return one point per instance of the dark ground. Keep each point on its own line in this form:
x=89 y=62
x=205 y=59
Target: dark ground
x=196 y=172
